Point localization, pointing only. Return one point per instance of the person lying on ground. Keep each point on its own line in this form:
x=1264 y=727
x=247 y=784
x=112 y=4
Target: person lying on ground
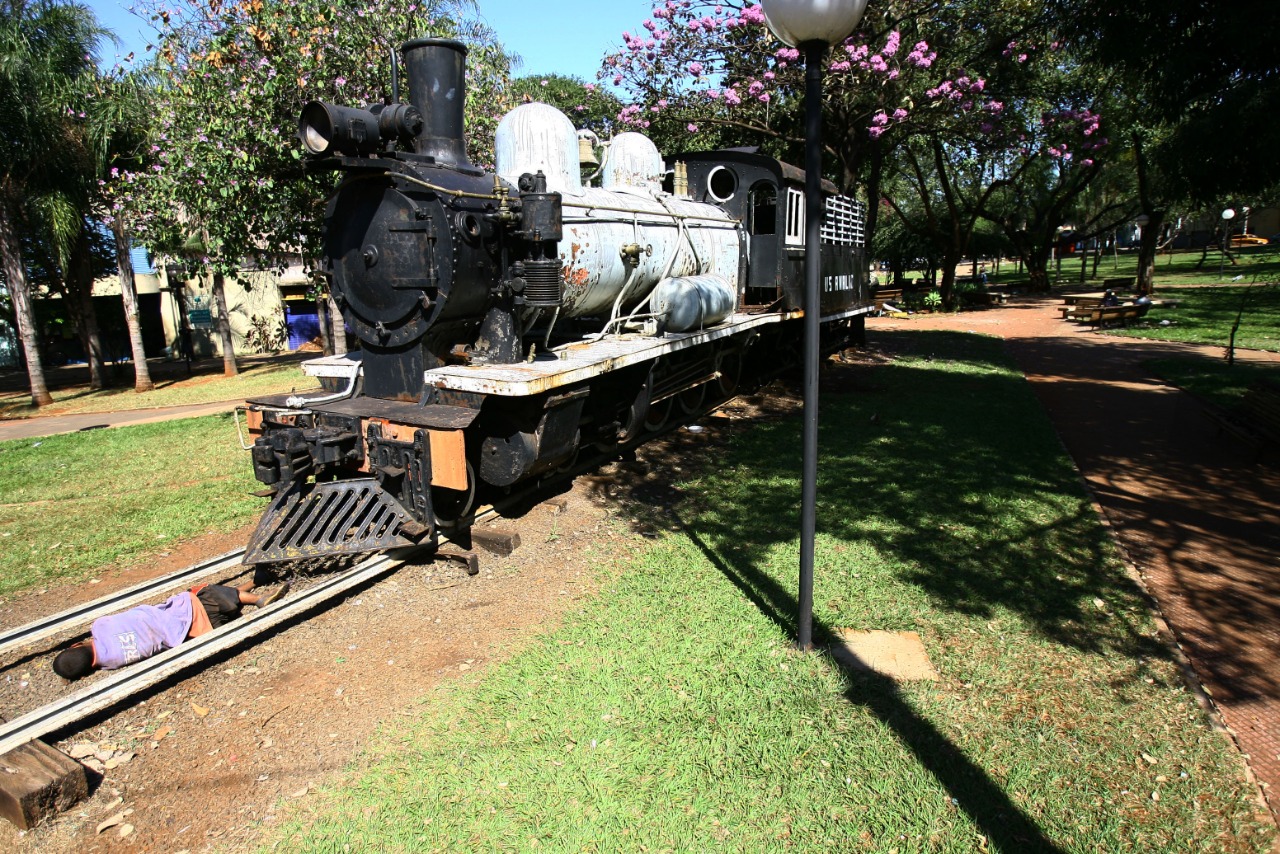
x=146 y=630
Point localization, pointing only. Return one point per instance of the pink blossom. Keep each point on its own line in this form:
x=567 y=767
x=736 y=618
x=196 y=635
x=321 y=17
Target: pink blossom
x=692 y=128
x=891 y=45
x=695 y=68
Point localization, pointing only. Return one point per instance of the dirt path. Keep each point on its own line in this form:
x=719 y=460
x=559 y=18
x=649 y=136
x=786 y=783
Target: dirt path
x=208 y=758
x=1195 y=515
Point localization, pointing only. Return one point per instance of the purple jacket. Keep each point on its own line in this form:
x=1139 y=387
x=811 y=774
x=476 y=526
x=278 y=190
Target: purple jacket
x=141 y=632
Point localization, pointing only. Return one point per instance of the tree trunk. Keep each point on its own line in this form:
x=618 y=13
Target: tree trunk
x=1037 y=262
x=79 y=295
x=229 y=367
x=15 y=275
x=947 y=289
x=129 y=296
x=322 y=316
x=1147 y=250
x=339 y=327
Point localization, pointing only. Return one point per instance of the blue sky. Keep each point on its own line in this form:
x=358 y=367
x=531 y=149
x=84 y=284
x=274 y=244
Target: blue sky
x=553 y=36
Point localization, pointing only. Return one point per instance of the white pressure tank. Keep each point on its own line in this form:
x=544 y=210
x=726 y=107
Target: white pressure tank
x=676 y=237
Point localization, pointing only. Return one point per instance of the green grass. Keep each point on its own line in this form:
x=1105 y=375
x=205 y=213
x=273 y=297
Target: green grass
x=258 y=376
x=77 y=502
x=671 y=713
x=1214 y=380
x=1206 y=315
x=1254 y=264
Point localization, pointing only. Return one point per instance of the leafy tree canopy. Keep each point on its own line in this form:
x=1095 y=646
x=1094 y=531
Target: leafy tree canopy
x=233 y=77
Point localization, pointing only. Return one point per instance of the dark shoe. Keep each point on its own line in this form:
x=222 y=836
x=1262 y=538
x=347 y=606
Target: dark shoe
x=274 y=596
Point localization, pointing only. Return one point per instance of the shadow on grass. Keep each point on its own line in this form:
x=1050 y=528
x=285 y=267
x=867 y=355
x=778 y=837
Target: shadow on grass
x=973 y=790
x=945 y=469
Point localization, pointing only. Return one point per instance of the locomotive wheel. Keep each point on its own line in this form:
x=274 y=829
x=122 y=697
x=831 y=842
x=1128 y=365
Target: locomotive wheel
x=691 y=400
x=730 y=375
x=450 y=505
x=637 y=416
x=658 y=415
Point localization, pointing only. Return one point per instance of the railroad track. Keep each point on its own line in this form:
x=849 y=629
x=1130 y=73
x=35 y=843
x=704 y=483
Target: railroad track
x=116 y=686
x=72 y=618
x=102 y=693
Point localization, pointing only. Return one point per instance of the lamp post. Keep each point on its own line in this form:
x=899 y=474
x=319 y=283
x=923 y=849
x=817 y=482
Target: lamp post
x=811 y=26
x=1227 y=215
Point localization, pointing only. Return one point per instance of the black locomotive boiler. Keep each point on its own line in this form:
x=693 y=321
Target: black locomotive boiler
x=509 y=321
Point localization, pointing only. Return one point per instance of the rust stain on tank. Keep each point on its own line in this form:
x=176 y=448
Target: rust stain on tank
x=576 y=275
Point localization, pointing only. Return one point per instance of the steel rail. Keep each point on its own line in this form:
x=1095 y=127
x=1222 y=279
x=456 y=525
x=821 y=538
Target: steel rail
x=89 y=611
x=108 y=691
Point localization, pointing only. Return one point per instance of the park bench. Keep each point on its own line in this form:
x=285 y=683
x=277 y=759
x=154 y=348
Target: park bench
x=976 y=298
x=1101 y=315
x=887 y=295
x=1079 y=303
x=1122 y=283
x=1256 y=419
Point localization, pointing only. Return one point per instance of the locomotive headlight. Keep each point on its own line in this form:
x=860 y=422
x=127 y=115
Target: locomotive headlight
x=328 y=129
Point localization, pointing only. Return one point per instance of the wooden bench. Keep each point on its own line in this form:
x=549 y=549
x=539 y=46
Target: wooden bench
x=890 y=295
x=977 y=298
x=1122 y=283
x=1256 y=419
x=1101 y=315
x=1078 y=304
x=1082 y=299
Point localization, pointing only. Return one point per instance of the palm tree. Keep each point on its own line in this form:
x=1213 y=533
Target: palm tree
x=45 y=53
x=117 y=131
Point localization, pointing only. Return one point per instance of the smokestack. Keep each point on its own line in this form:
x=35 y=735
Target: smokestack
x=437 y=88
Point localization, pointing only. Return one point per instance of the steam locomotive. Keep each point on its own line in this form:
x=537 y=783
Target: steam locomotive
x=509 y=321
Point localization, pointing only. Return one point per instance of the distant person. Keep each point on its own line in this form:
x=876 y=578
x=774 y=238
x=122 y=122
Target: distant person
x=146 y=630
x=1110 y=298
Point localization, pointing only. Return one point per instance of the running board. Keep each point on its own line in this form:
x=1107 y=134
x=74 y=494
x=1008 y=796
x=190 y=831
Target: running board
x=340 y=517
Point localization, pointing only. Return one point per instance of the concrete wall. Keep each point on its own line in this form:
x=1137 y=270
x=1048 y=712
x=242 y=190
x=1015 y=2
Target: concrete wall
x=251 y=294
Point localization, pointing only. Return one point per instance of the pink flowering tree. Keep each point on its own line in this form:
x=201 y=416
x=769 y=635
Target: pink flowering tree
x=950 y=113
x=704 y=74
x=224 y=184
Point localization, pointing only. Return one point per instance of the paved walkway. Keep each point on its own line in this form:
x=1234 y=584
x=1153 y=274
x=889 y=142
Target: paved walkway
x=1192 y=510
x=30 y=428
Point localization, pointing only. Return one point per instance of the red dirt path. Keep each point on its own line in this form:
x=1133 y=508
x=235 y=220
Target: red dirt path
x=1194 y=513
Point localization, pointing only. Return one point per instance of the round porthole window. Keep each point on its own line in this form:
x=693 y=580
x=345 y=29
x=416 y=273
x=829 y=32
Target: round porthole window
x=722 y=183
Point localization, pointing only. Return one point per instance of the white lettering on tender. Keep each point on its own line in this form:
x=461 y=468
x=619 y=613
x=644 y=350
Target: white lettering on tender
x=843 y=282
